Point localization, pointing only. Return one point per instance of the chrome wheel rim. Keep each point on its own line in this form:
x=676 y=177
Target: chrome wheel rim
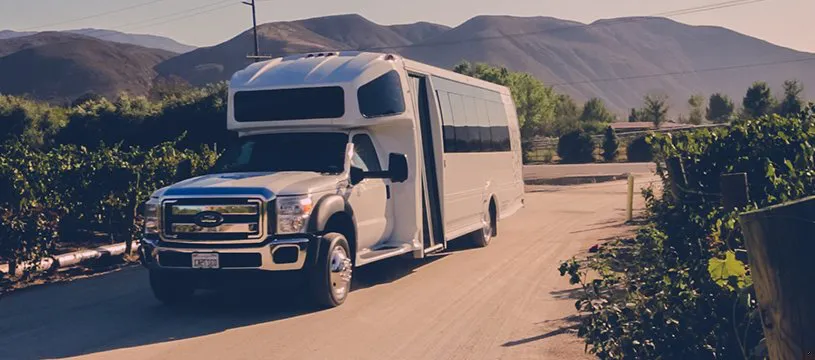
x=340 y=272
x=486 y=228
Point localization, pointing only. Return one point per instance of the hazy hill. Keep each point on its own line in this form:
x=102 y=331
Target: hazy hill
x=619 y=60
x=219 y=62
x=59 y=67
x=420 y=31
x=150 y=41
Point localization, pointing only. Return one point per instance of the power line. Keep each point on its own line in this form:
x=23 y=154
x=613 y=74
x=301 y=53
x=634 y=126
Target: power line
x=185 y=12
x=685 y=72
x=94 y=15
x=152 y=22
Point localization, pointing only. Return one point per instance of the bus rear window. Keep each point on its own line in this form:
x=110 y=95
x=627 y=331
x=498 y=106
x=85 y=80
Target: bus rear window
x=289 y=104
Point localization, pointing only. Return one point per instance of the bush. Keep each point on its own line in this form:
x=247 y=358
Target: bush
x=677 y=290
x=611 y=147
x=576 y=147
x=72 y=190
x=639 y=150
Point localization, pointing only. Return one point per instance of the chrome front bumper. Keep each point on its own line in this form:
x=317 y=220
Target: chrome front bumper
x=274 y=255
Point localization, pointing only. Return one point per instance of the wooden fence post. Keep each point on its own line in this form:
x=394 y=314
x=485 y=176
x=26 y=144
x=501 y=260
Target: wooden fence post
x=780 y=244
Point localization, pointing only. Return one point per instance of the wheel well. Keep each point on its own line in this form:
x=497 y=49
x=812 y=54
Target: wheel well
x=342 y=223
x=494 y=216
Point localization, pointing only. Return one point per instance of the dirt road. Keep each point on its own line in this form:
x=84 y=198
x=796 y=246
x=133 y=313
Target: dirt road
x=506 y=301
x=568 y=170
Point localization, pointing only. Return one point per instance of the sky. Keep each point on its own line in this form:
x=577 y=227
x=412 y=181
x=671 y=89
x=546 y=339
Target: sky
x=208 y=22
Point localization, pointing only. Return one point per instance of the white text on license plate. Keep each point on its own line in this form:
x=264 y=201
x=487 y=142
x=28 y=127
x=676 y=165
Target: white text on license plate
x=205 y=261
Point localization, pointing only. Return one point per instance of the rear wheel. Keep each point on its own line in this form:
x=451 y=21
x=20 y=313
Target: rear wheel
x=483 y=237
x=170 y=289
x=330 y=279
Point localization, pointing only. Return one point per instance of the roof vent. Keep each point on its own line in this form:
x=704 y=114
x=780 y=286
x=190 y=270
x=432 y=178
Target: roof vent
x=309 y=56
x=390 y=57
x=329 y=54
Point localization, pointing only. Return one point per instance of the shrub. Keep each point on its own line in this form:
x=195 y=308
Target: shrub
x=677 y=290
x=611 y=147
x=576 y=147
x=639 y=150
x=55 y=195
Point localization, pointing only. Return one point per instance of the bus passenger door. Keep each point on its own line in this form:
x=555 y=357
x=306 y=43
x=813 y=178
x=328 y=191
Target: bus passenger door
x=370 y=199
x=433 y=224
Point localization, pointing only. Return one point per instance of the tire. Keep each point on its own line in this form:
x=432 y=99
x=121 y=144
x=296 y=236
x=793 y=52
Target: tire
x=483 y=237
x=170 y=289
x=330 y=279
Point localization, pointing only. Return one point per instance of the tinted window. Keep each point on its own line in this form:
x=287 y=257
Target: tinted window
x=382 y=96
x=289 y=104
x=498 y=127
x=365 y=154
x=472 y=124
x=448 y=128
x=460 y=122
x=276 y=152
x=484 y=125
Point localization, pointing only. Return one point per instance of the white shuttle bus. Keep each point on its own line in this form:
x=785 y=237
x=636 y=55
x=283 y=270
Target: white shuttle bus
x=343 y=159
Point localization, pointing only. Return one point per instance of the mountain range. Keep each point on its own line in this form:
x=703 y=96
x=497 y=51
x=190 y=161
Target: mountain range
x=619 y=60
x=145 y=40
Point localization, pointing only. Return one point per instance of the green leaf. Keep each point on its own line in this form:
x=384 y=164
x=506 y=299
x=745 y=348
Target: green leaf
x=722 y=270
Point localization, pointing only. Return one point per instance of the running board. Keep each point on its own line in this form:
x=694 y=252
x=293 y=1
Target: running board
x=433 y=249
x=376 y=255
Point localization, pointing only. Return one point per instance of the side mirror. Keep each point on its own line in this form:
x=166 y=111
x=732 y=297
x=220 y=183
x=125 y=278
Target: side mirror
x=398 y=167
x=357 y=175
x=397 y=171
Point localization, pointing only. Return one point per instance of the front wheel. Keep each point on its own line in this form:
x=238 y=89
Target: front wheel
x=330 y=279
x=170 y=289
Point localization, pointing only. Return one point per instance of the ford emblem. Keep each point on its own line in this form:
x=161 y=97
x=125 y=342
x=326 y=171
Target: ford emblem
x=208 y=219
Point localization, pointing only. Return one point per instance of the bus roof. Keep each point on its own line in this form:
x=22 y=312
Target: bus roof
x=334 y=68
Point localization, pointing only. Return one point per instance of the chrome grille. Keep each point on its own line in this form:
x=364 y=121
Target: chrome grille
x=212 y=219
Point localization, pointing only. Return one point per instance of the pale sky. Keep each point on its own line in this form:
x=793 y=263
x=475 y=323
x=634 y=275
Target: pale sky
x=207 y=22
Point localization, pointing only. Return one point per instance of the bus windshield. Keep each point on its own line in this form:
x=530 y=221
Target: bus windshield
x=316 y=152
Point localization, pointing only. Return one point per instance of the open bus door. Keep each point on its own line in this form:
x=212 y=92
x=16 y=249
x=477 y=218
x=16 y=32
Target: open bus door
x=433 y=224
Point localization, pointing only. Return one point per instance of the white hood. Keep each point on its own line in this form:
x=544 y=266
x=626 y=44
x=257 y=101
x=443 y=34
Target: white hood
x=259 y=183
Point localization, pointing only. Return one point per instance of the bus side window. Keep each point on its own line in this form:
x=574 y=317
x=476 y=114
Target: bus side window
x=448 y=129
x=460 y=123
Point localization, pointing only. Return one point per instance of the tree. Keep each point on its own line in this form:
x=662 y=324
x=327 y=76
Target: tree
x=635 y=115
x=595 y=110
x=720 y=108
x=758 y=101
x=792 y=104
x=567 y=115
x=576 y=147
x=611 y=146
x=656 y=109
x=697 y=103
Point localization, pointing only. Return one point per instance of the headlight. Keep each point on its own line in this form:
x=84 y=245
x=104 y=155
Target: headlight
x=151 y=217
x=293 y=213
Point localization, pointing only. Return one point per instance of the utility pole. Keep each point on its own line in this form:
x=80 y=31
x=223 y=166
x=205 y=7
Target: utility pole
x=254 y=25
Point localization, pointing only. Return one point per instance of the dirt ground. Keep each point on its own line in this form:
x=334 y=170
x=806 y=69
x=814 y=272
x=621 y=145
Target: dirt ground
x=506 y=301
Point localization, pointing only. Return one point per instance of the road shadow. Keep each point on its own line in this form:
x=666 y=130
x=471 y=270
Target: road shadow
x=572 y=294
x=568 y=324
x=118 y=311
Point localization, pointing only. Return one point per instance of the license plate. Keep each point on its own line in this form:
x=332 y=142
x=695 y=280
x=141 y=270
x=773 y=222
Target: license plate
x=205 y=261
